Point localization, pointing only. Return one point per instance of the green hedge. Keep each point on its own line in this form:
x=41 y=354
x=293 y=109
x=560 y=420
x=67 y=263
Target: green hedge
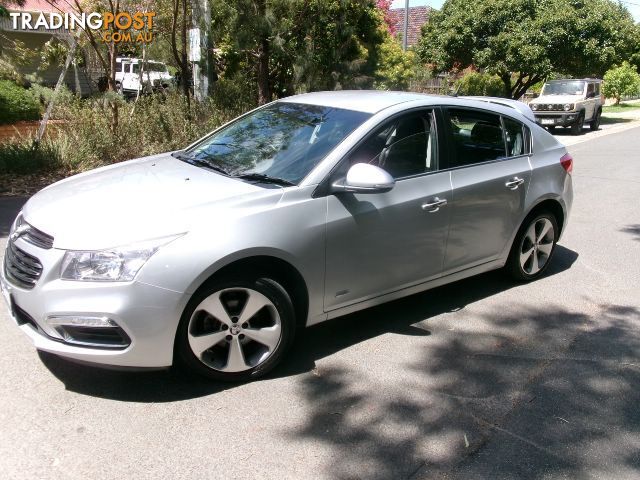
x=17 y=104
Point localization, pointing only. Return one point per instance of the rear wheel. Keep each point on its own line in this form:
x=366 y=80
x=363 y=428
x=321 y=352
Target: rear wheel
x=576 y=128
x=533 y=247
x=595 y=122
x=236 y=330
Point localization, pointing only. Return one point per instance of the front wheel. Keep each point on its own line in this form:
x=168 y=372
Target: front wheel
x=576 y=128
x=236 y=330
x=533 y=247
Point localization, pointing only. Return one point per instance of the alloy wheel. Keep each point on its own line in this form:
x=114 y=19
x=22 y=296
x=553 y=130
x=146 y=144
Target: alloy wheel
x=234 y=330
x=537 y=245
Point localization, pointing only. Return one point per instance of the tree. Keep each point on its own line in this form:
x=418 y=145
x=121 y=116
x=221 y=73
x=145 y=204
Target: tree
x=396 y=68
x=298 y=45
x=620 y=81
x=523 y=41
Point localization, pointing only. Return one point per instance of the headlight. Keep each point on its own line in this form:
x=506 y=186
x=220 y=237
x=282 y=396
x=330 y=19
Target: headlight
x=534 y=106
x=568 y=107
x=113 y=265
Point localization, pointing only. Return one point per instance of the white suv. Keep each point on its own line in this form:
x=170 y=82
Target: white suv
x=155 y=76
x=569 y=103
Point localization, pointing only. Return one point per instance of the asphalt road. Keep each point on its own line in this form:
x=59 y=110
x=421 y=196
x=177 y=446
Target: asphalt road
x=482 y=379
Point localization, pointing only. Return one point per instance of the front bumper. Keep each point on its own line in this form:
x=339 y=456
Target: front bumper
x=550 y=119
x=148 y=315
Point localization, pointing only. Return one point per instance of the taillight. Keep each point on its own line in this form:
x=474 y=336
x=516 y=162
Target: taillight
x=567 y=162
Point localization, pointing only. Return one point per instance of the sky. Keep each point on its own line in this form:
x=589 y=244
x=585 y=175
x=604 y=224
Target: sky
x=632 y=5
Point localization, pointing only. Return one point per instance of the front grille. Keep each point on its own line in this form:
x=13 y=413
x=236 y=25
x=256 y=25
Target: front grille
x=550 y=107
x=20 y=268
x=31 y=234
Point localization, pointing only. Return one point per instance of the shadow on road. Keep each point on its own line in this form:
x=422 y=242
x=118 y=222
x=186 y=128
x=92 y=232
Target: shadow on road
x=313 y=344
x=526 y=399
x=9 y=208
x=633 y=230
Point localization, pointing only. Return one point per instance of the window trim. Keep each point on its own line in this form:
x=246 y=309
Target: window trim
x=323 y=188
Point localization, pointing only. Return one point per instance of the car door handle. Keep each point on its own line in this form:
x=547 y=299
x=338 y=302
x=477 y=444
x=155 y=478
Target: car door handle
x=435 y=205
x=514 y=184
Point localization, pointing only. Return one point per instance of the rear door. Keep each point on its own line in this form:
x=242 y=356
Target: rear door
x=490 y=174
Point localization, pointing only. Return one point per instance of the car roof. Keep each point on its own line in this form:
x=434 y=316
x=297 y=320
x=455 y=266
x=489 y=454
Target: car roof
x=369 y=101
x=574 y=80
x=374 y=101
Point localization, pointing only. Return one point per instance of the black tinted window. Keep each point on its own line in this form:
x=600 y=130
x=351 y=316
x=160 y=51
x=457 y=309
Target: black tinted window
x=516 y=137
x=476 y=137
x=403 y=147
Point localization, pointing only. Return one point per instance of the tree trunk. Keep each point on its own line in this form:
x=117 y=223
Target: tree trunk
x=506 y=79
x=264 y=90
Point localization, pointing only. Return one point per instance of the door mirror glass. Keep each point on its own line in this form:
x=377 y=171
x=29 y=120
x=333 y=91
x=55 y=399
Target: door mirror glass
x=365 y=178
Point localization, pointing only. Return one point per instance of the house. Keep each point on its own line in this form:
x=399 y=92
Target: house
x=418 y=16
x=76 y=77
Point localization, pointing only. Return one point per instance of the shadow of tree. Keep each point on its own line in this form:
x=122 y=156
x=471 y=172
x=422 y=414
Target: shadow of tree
x=541 y=393
x=633 y=230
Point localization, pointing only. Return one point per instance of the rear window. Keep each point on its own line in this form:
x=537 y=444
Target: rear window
x=476 y=137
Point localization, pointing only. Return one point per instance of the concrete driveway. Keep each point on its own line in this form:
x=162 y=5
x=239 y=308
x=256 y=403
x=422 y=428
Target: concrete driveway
x=480 y=379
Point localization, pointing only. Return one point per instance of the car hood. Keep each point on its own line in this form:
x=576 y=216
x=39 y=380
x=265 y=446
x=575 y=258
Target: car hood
x=557 y=99
x=139 y=200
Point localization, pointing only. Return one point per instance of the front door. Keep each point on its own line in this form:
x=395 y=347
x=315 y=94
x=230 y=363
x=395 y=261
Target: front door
x=379 y=243
x=490 y=176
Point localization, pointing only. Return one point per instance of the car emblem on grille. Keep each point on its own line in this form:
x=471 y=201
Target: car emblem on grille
x=21 y=230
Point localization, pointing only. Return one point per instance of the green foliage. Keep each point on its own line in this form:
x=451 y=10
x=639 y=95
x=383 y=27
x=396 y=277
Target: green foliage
x=83 y=140
x=23 y=156
x=526 y=40
x=17 y=103
x=476 y=83
x=621 y=81
x=396 y=68
x=306 y=44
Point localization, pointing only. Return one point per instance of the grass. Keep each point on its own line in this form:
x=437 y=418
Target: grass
x=623 y=107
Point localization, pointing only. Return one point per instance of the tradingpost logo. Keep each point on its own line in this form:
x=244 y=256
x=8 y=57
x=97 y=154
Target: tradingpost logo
x=120 y=27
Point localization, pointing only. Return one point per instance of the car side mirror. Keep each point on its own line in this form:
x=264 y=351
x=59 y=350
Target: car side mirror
x=364 y=178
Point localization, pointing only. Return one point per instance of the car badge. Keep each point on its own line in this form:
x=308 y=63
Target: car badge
x=18 y=232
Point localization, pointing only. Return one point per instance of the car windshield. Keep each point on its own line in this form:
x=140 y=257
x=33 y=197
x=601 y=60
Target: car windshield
x=284 y=141
x=563 y=88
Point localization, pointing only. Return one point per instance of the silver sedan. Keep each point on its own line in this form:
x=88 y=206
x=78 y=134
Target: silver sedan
x=302 y=210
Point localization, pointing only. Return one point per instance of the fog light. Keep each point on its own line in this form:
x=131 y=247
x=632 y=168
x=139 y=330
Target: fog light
x=80 y=321
x=89 y=331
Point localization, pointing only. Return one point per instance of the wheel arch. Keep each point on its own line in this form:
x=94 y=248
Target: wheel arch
x=265 y=264
x=552 y=205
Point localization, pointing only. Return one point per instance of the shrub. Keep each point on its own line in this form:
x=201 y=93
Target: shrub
x=23 y=156
x=17 y=103
x=620 y=81
x=84 y=139
x=476 y=83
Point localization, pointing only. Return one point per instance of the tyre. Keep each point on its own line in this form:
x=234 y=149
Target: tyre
x=595 y=122
x=576 y=128
x=533 y=247
x=236 y=330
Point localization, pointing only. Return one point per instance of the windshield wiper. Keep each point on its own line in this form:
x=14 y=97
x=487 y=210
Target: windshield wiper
x=265 y=178
x=198 y=161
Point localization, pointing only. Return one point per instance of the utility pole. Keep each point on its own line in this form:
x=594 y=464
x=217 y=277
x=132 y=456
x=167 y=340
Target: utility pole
x=202 y=59
x=406 y=26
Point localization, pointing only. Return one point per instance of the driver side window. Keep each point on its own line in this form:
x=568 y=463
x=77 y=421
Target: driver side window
x=404 y=147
